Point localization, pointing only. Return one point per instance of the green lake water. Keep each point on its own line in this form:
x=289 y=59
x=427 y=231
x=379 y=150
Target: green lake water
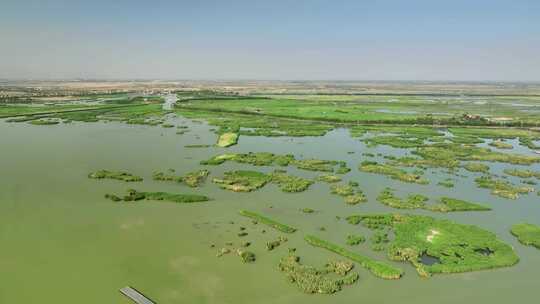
x=63 y=242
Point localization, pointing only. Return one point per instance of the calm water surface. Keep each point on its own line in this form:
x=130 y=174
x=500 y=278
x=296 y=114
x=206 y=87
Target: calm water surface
x=62 y=242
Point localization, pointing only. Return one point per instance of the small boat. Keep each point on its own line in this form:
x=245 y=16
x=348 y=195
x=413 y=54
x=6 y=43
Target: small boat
x=537 y=151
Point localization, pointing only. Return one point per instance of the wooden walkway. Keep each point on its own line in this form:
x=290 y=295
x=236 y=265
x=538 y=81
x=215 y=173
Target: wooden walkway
x=135 y=295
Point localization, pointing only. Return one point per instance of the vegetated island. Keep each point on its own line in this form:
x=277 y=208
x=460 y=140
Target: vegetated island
x=267 y=221
x=439 y=246
x=193 y=179
x=309 y=279
x=118 y=175
x=527 y=234
x=134 y=195
x=419 y=201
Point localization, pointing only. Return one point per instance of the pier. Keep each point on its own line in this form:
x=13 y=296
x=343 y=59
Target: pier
x=135 y=295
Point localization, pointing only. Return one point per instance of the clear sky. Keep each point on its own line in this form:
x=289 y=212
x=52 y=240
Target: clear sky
x=273 y=39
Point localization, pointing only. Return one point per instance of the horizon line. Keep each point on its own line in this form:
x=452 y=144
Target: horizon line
x=137 y=79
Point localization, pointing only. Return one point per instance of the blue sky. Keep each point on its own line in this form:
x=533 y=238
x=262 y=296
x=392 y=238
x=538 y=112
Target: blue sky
x=352 y=40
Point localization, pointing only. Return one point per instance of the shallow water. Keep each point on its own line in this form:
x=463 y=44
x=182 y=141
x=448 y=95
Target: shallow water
x=62 y=242
x=395 y=112
x=429 y=260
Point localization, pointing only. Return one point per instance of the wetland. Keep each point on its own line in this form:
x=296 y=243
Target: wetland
x=220 y=198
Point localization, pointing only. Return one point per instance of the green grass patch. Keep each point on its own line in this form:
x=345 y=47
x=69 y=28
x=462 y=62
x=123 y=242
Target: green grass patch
x=353 y=240
x=315 y=165
x=242 y=180
x=308 y=210
x=249 y=122
x=195 y=178
x=527 y=234
x=192 y=179
x=419 y=201
x=267 y=221
x=247 y=181
x=392 y=172
x=501 y=145
x=467 y=140
x=290 y=183
x=502 y=188
x=118 y=175
x=499 y=133
x=270 y=159
x=329 y=178
x=169 y=175
x=448 y=204
x=442 y=153
x=342 y=190
x=476 y=167
x=134 y=195
x=350 y=192
x=246 y=256
x=448 y=183
x=522 y=173
x=227 y=139
x=394 y=141
x=275 y=243
x=404 y=131
x=450 y=155
x=413 y=201
x=310 y=280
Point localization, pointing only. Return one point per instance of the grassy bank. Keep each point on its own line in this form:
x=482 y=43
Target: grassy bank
x=377 y=268
x=267 y=221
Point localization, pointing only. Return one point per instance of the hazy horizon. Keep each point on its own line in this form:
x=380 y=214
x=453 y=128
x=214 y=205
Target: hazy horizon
x=374 y=81
x=484 y=41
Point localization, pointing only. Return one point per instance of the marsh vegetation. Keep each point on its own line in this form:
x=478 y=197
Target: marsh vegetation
x=134 y=195
x=270 y=159
x=377 y=268
x=458 y=248
x=527 y=234
x=267 y=221
x=118 y=175
x=309 y=279
x=419 y=201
